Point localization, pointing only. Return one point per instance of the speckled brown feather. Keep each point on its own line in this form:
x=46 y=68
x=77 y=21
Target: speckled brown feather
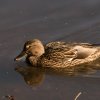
x=57 y=54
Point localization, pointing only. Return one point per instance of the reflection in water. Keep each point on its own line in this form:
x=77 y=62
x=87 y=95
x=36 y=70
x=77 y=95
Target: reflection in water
x=34 y=76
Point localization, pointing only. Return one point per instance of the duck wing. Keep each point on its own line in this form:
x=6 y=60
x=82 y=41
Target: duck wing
x=59 y=44
x=58 y=51
x=55 y=45
x=63 y=50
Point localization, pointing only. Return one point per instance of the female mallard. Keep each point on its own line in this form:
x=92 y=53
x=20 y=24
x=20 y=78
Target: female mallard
x=59 y=54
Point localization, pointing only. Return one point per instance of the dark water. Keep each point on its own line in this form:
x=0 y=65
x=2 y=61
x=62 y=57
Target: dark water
x=48 y=20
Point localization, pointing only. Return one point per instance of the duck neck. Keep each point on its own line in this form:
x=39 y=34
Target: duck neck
x=33 y=60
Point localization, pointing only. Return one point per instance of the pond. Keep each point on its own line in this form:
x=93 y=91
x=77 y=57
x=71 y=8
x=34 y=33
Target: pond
x=63 y=20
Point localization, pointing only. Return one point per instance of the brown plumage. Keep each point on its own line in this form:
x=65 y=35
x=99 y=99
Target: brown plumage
x=59 y=54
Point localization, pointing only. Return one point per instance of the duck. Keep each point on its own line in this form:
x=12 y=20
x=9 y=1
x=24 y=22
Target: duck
x=59 y=54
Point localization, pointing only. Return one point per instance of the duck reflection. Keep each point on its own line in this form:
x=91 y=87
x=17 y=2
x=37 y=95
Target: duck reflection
x=34 y=76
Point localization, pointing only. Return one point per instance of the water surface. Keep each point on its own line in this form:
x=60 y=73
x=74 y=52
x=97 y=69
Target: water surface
x=66 y=20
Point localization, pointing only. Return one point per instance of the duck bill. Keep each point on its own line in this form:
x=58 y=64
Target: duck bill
x=20 y=56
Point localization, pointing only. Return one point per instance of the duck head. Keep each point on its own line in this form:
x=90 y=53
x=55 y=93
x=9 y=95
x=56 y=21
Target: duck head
x=32 y=48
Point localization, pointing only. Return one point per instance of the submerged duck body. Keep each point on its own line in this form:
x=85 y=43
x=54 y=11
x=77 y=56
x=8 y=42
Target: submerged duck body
x=59 y=54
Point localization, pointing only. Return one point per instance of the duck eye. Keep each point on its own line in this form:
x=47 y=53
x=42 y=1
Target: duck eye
x=28 y=46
